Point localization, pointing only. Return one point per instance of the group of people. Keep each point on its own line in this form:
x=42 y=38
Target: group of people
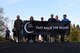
x=18 y=26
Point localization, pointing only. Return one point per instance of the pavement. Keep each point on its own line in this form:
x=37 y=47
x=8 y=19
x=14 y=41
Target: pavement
x=64 y=47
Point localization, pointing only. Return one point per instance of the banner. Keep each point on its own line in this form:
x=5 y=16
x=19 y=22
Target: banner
x=46 y=28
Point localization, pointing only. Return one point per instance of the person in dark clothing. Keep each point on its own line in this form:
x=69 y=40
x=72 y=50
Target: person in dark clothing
x=44 y=37
x=7 y=34
x=31 y=37
x=14 y=35
x=52 y=19
x=18 y=27
x=57 y=36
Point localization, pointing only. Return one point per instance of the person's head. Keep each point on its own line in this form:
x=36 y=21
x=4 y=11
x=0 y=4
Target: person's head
x=56 y=17
x=18 y=16
x=31 y=18
x=52 y=15
x=64 y=16
x=42 y=19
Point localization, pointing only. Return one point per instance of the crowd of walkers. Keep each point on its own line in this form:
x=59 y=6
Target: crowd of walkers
x=18 y=26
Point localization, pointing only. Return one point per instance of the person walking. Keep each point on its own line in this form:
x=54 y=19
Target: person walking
x=64 y=20
x=50 y=20
x=7 y=34
x=18 y=27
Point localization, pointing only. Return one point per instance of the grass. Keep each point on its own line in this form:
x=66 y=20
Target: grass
x=2 y=39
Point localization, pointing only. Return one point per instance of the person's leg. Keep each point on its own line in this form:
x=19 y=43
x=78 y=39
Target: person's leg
x=33 y=38
x=52 y=38
x=20 y=37
x=43 y=38
x=57 y=38
x=28 y=36
x=14 y=38
x=49 y=38
x=6 y=37
x=62 y=38
x=25 y=39
x=36 y=38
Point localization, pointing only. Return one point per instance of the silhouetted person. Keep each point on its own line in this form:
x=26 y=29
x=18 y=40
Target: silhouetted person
x=7 y=34
x=43 y=36
x=31 y=37
x=52 y=19
x=65 y=20
x=57 y=36
x=18 y=27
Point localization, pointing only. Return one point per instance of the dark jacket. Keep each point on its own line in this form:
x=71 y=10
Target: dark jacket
x=7 y=32
x=51 y=19
x=18 y=24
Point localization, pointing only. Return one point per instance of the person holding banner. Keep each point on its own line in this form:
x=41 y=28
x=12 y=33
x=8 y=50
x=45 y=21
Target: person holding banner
x=57 y=36
x=52 y=19
x=44 y=37
x=31 y=37
x=18 y=27
x=64 y=20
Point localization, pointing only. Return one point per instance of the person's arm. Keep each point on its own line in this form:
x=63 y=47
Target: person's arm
x=21 y=23
x=15 y=24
